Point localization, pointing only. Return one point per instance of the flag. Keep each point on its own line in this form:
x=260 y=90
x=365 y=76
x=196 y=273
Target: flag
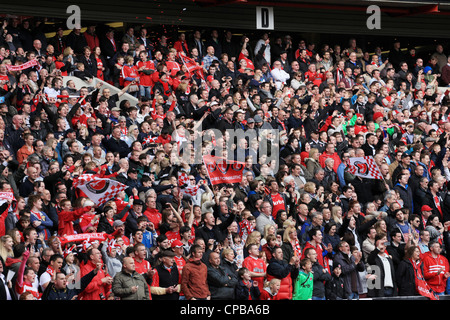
x=182 y=178
x=421 y=285
x=191 y=65
x=185 y=186
x=220 y=170
x=364 y=167
x=190 y=190
x=99 y=190
x=149 y=140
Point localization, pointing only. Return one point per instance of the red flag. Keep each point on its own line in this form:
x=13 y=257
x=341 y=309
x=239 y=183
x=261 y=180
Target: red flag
x=421 y=285
x=191 y=65
x=185 y=186
x=221 y=170
x=182 y=178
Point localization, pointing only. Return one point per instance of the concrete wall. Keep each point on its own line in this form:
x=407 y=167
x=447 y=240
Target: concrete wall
x=80 y=83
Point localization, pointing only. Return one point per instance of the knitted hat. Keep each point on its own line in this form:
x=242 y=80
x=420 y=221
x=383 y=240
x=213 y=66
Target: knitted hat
x=377 y=115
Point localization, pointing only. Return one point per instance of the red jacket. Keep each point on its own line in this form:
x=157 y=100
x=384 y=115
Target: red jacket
x=179 y=45
x=96 y=287
x=431 y=265
x=194 y=280
x=266 y=295
x=335 y=156
x=154 y=216
x=66 y=218
x=92 y=40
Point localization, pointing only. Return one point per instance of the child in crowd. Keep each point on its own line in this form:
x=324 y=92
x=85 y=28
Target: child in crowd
x=270 y=291
x=238 y=246
x=303 y=286
x=334 y=289
x=246 y=289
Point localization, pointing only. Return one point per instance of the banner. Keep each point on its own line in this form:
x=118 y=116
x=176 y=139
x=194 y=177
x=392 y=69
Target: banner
x=23 y=66
x=7 y=196
x=80 y=237
x=364 y=167
x=221 y=170
x=99 y=190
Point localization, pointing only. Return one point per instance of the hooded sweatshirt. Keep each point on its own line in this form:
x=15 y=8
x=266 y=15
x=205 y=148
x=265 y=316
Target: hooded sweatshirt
x=431 y=265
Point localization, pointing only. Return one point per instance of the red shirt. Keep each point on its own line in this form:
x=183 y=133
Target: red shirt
x=129 y=72
x=143 y=266
x=99 y=68
x=250 y=64
x=173 y=67
x=145 y=79
x=154 y=216
x=256 y=265
x=278 y=204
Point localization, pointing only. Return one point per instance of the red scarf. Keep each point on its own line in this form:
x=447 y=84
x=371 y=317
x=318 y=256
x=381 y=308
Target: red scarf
x=50 y=271
x=297 y=248
x=437 y=203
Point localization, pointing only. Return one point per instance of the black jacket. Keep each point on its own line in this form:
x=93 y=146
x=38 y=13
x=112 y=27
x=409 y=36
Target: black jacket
x=51 y=293
x=243 y=293
x=320 y=279
x=221 y=284
x=406 y=279
x=334 y=289
x=218 y=232
x=374 y=259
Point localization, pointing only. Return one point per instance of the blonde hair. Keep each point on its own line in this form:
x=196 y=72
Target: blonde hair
x=309 y=186
x=266 y=229
x=226 y=251
x=4 y=253
x=312 y=152
x=334 y=217
x=131 y=129
x=253 y=238
x=288 y=230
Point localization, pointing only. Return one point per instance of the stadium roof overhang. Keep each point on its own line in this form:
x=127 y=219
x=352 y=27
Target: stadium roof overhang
x=398 y=18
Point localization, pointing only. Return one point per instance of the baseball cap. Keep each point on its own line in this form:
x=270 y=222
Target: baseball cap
x=257 y=118
x=250 y=120
x=138 y=202
x=405 y=155
x=177 y=243
x=115 y=109
x=118 y=223
x=426 y=208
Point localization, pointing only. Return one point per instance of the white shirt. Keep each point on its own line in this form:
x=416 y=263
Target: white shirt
x=280 y=76
x=8 y=295
x=387 y=271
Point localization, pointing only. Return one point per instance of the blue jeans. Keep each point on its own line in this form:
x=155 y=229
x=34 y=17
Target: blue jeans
x=447 y=290
x=144 y=91
x=318 y=298
x=182 y=298
x=353 y=296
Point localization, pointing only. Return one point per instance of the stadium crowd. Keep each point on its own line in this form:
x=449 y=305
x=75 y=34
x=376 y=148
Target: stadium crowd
x=299 y=227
